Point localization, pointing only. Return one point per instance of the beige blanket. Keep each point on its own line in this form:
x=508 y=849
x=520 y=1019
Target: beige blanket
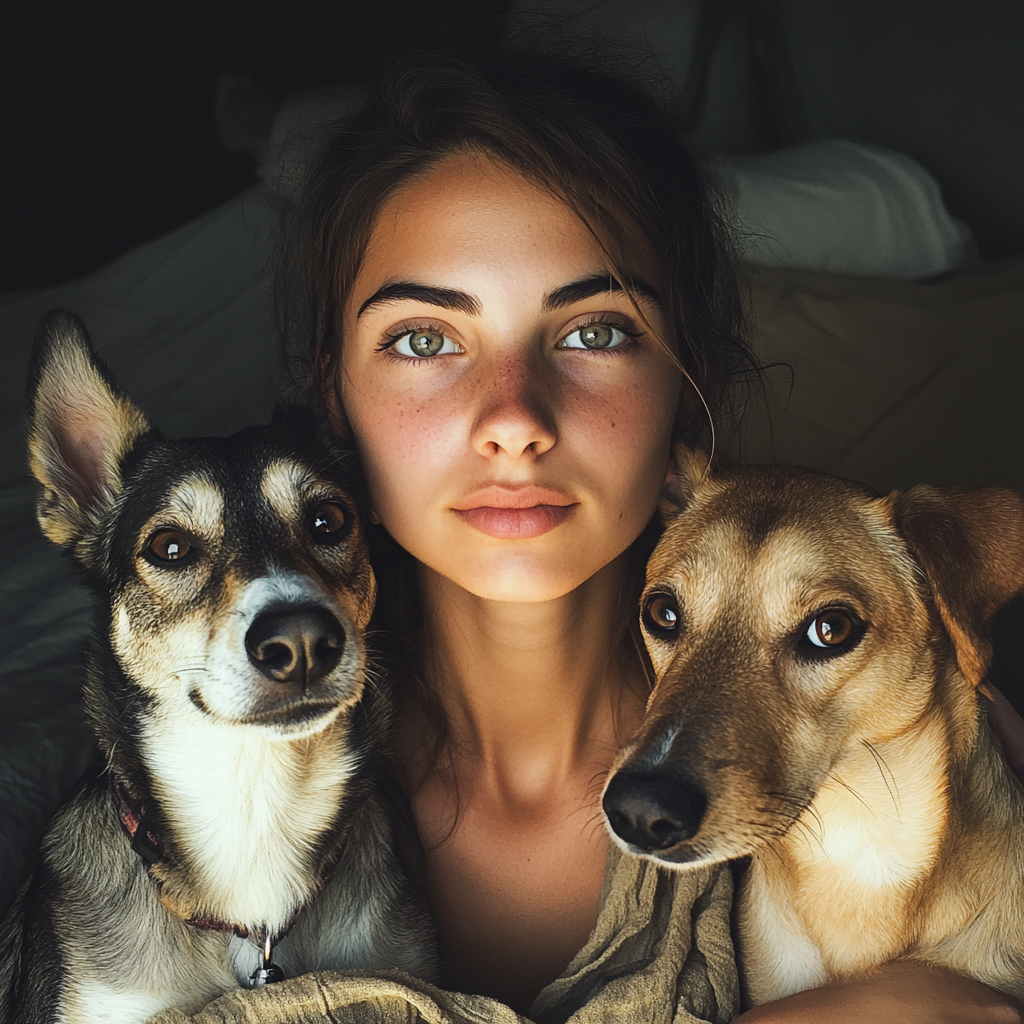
x=661 y=953
x=891 y=382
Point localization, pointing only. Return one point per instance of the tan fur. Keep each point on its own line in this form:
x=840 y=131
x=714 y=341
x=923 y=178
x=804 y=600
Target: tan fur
x=289 y=488
x=881 y=819
x=283 y=485
x=196 y=505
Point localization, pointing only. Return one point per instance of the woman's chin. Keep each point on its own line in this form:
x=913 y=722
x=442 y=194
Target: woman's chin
x=532 y=574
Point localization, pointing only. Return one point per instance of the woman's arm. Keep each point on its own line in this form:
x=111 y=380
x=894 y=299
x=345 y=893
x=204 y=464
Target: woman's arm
x=1009 y=727
x=897 y=993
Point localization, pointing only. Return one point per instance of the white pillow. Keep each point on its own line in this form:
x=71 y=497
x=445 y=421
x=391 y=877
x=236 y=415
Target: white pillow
x=843 y=207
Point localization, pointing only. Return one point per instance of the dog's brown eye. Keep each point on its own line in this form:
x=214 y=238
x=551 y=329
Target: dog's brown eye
x=831 y=629
x=661 y=615
x=328 y=521
x=168 y=546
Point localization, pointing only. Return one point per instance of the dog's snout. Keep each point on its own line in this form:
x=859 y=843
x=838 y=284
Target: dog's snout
x=653 y=811
x=300 y=645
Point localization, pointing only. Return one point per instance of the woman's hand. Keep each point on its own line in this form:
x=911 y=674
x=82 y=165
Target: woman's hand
x=896 y=993
x=1009 y=727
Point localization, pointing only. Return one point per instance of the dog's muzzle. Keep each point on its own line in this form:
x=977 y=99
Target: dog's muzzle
x=653 y=811
x=299 y=646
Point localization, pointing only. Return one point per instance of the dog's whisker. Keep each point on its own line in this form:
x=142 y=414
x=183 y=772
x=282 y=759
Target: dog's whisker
x=816 y=817
x=771 y=847
x=179 y=671
x=852 y=792
x=818 y=838
x=886 y=773
x=597 y=781
x=593 y=825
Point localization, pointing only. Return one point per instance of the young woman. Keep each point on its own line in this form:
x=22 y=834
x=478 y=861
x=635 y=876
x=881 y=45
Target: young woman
x=514 y=294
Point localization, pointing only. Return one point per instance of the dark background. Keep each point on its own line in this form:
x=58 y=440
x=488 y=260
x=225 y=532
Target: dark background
x=107 y=120
x=108 y=134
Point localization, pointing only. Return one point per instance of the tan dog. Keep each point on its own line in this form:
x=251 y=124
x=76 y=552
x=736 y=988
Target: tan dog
x=818 y=650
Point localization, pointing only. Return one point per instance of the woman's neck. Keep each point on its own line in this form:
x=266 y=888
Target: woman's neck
x=538 y=699
x=531 y=689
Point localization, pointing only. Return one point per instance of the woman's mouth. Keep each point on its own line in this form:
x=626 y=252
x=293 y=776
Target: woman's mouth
x=515 y=513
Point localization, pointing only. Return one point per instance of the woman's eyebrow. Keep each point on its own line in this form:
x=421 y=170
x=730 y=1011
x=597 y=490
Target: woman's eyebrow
x=446 y=298
x=450 y=298
x=599 y=284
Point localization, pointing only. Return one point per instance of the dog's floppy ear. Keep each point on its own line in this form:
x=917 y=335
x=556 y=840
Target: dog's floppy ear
x=688 y=468
x=80 y=427
x=970 y=543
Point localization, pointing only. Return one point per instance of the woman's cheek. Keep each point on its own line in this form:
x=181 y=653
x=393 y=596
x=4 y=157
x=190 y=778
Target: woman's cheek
x=404 y=445
x=628 y=437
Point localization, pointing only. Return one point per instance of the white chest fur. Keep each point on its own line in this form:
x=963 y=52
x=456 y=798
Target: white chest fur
x=836 y=894
x=247 y=809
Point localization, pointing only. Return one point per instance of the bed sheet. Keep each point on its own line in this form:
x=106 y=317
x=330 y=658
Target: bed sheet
x=888 y=382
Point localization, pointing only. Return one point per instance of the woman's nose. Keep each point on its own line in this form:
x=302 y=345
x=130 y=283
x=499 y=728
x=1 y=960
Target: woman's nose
x=515 y=411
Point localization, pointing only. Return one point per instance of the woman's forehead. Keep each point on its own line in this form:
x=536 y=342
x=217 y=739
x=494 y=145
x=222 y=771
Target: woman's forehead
x=472 y=219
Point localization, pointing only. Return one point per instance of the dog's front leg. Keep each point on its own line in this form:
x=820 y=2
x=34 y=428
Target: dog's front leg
x=123 y=955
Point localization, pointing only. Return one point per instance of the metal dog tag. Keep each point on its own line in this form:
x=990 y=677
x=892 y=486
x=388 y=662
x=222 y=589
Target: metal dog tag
x=269 y=973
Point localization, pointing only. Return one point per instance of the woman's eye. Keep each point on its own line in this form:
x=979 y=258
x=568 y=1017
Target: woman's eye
x=167 y=548
x=328 y=522
x=661 y=616
x=832 y=630
x=594 y=336
x=423 y=343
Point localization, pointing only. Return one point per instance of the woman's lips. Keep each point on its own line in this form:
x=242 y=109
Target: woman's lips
x=514 y=513
x=515 y=523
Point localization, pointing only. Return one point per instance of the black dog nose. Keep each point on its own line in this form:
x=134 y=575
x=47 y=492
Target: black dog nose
x=299 y=646
x=653 y=811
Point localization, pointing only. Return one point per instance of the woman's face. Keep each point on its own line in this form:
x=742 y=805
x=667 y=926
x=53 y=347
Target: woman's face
x=513 y=416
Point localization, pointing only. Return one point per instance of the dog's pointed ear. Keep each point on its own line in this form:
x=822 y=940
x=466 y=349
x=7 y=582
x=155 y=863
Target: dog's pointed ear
x=970 y=543
x=80 y=427
x=687 y=469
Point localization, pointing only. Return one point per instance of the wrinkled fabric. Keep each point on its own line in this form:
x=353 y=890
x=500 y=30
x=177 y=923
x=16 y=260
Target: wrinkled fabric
x=661 y=953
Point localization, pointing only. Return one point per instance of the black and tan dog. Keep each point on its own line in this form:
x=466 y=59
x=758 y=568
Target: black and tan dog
x=817 y=652
x=227 y=688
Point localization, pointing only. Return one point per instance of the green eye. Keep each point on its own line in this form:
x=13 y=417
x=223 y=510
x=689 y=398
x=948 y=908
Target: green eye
x=595 y=337
x=426 y=343
x=422 y=343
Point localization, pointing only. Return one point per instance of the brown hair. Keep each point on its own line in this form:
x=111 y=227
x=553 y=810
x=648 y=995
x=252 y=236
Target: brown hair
x=600 y=145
